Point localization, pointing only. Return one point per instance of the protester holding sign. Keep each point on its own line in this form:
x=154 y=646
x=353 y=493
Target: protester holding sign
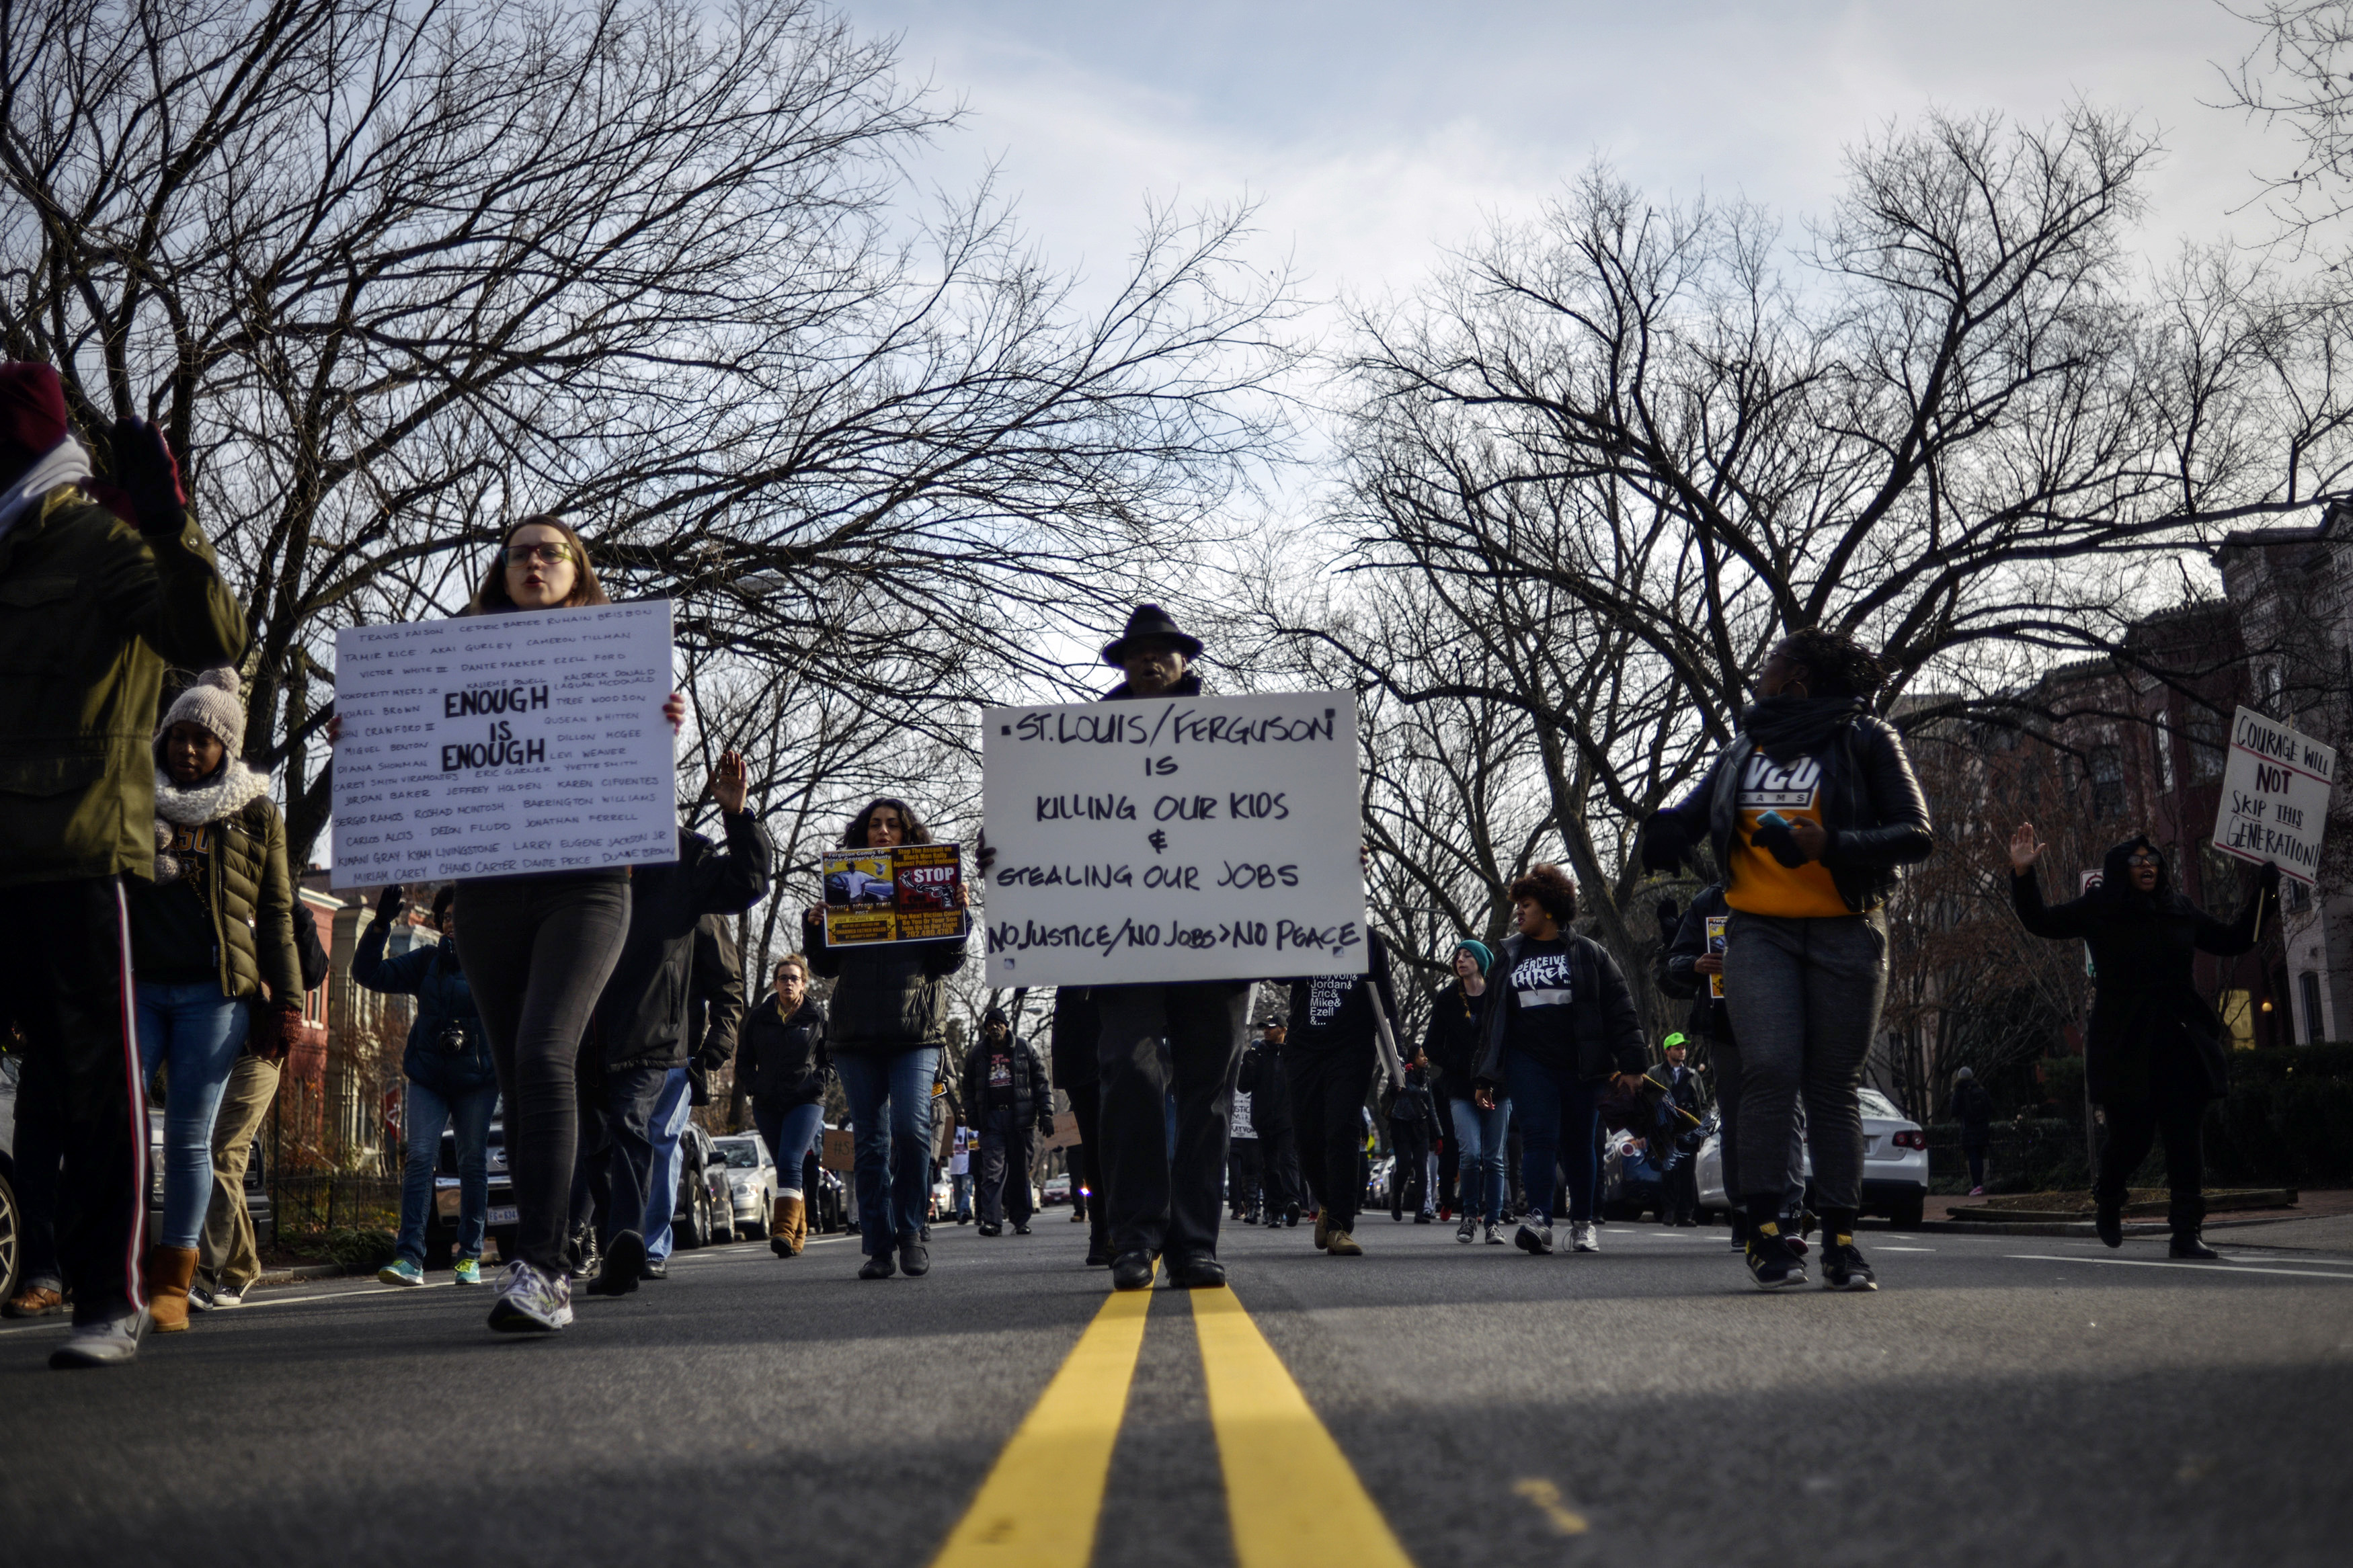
x=537 y=950
x=887 y=1024
x=2154 y=1055
x=1809 y=811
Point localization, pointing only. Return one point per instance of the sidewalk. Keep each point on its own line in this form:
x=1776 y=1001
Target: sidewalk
x=2321 y=1221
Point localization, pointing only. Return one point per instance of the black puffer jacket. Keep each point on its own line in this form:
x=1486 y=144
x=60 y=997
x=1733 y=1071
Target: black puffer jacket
x=1262 y=1079
x=783 y=1059
x=1872 y=808
x=1033 y=1096
x=1609 y=1031
x=641 y=1019
x=887 y=997
x=2145 y=1001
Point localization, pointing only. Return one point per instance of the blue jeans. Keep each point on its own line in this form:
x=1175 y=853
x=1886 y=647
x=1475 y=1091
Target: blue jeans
x=960 y=1191
x=894 y=1157
x=427 y=1113
x=197 y=1032
x=671 y=1112
x=1478 y=1138
x=1560 y=1119
x=790 y=1131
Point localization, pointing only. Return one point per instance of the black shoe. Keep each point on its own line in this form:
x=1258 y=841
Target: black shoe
x=1020 y=1229
x=1098 y=1255
x=2108 y=1224
x=1197 y=1274
x=1845 y=1269
x=1291 y=1215
x=1739 y=1223
x=1132 y=1270
x=881 y=1265
x=1423 y=1218
x=1772 y=1264
x=915 y=1259
x=617 y=1274
x=986 y=1229
x=655 y=1269
x=2187 y=1244
x=1275 y=1222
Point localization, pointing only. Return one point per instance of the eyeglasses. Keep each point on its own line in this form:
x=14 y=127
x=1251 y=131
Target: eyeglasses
x=547 y=554
x=2141 y=861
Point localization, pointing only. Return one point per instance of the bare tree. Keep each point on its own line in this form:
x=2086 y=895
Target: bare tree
x=391 y=272
x=1625 y=452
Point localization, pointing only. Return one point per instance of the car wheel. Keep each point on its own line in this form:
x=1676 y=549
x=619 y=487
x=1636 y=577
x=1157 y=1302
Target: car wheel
x=753 y=1230
x=12 y=1240
x=689 y=1231
x=1907 y=1212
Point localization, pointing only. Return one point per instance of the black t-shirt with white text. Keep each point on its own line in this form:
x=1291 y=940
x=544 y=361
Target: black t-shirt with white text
x=1543 y=1016
x=1000 y=1082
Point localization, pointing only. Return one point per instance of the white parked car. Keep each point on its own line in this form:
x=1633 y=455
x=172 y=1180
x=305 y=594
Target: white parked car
x=1894 y=1163
x=751 y=1180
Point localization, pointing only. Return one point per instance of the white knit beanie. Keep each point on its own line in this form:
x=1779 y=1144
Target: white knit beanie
x=212 y=704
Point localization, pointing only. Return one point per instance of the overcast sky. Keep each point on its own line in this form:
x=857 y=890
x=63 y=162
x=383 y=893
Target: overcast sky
x=1377 y=132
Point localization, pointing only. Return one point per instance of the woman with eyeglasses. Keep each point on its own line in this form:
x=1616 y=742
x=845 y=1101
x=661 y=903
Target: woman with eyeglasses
x=2154 y=1055
x=537 y=950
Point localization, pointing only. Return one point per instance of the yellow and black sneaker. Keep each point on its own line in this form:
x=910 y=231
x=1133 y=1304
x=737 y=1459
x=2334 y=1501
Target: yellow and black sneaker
x=1771 y=1263
x=1843 y=1267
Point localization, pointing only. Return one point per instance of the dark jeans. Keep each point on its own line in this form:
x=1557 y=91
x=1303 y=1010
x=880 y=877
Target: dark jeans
x=890 y=1095
x=1560 y=1120
x=629 y=1097
x=65 y=978
x=1975 y=1154
x=537 y=952
x=1244 y=1176
x=1086 y=1105
x=1278 y=1152
x=1163 y=1200
x=1804 y=999
x=1327 y=1108
x=1003 y=1167
x=1725 y=1054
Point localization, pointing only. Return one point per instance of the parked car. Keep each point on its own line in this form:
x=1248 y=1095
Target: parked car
x=705 y=1212
x=1895 y=1164
x=442 y=1224
x=1057 y=1190
x=751 y=1176
x=829 y=1203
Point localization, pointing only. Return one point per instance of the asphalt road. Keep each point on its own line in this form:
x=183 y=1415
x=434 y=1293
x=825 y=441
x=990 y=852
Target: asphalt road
x=2001 y=1400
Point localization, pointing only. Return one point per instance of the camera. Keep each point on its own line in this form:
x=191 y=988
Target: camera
x=451 y=1040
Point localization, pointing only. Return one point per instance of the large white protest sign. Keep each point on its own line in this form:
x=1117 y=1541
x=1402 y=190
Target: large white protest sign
x=2274 y=802
x=494 y=745
x=1172 y=838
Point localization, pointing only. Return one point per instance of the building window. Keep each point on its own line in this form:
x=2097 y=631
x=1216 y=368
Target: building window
x=2205 y=746
x=2162 y=738
x=2308 y=987
x=2108 y=783
x=2295 y=897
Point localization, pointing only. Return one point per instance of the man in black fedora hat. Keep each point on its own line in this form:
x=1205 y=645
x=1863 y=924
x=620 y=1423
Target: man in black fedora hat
x=1159 y=1203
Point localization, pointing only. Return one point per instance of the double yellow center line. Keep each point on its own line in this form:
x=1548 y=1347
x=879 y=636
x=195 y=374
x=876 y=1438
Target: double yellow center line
x=1292 y=1499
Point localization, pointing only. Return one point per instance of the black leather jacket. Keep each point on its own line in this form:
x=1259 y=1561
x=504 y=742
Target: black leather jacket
x=1872 y=808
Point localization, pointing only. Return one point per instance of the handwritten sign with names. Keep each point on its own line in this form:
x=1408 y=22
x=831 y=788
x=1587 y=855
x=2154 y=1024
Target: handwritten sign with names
x=503 y=745
x=2275 y=804
x=1172 y=838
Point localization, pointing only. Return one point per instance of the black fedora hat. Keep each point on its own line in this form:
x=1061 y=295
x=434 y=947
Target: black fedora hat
x=1151 y=621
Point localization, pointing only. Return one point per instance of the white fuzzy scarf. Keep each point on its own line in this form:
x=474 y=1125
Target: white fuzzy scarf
x=234 y=788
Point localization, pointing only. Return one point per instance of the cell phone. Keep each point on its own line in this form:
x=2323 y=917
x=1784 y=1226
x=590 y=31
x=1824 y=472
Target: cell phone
x=1772 y=819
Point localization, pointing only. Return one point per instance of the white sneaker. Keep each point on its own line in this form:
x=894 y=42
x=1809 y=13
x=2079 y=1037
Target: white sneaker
x=532 y=1302
x=108 y=1343
x=1584 y=1236
x=226 y=1296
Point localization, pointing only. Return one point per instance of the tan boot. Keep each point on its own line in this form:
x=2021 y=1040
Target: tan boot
x=167 y=1273
x=792 y=1224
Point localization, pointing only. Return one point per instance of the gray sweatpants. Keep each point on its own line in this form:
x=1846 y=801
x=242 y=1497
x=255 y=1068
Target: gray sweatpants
x=1804 y=996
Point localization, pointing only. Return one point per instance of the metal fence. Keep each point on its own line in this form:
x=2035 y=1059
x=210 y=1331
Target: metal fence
x=319 y=1205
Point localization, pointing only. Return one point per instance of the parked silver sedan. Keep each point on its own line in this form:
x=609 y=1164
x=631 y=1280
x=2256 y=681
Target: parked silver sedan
x=751 y=1180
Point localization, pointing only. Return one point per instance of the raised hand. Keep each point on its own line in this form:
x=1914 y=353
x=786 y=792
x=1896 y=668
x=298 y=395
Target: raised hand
x=2025 y=849
x=732 y=785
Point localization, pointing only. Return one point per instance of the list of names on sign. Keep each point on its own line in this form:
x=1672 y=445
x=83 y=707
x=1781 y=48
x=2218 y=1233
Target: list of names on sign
x=504 y=745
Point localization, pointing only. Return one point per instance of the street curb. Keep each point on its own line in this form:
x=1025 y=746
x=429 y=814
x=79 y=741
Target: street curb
x=302 y=1271
x=2084 y=1228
